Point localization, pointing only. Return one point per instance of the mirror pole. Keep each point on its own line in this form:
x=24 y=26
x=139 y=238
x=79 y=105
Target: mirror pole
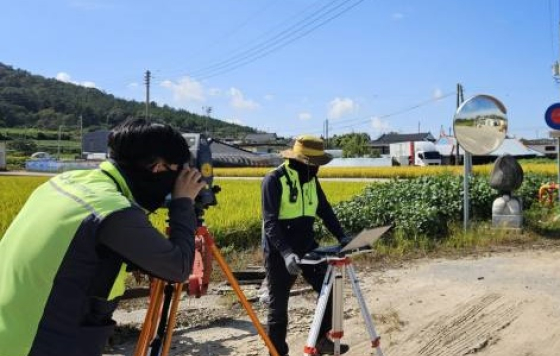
x=558 y=159
x=467 y=164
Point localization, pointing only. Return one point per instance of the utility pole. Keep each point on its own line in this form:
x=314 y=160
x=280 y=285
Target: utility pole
x=147 y=81
x=81 y=136
x=327 y=133
x=208 y=111
x=58 y=142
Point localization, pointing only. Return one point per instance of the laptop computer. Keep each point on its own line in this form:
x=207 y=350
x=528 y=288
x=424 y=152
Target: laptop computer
x=362 y=241
x=365 y=238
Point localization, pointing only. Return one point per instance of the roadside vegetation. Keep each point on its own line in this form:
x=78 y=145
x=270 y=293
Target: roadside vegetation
x=425 y=210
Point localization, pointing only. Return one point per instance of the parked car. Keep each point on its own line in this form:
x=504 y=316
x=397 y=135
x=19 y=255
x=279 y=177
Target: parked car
x=41 y=155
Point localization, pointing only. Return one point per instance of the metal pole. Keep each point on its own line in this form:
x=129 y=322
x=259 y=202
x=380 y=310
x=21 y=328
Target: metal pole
x=147 y=80
x=467 y=173
x=327 y=134
x=558 y=160
x=58 y=143
x=81 y=137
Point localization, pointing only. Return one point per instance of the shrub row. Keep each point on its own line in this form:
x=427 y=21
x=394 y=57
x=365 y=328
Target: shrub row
x=428 y=205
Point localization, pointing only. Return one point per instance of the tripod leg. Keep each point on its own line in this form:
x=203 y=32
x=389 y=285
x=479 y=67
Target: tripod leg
x=149 y=327
x=233 y=282
x=338 y=308
x=157 y=342
x=172 y=318
x=309 y=348
x=364 y=310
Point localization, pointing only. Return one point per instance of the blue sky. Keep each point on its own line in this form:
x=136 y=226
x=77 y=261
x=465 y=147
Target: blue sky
x=286 y=66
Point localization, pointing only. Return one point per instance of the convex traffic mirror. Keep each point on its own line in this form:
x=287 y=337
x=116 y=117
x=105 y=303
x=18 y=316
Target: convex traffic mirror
x=480 y=124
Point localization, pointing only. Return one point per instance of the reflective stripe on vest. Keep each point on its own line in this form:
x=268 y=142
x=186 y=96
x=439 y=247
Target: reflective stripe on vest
x=119 y=286
x=35 y=246
x=306 y=202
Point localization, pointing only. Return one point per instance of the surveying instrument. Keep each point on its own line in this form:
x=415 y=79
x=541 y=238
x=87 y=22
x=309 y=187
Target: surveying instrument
x=339 y=262
x=160 y=320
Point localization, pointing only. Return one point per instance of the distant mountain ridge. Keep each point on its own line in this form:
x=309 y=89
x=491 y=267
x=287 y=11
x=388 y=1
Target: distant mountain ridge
x=28 y=100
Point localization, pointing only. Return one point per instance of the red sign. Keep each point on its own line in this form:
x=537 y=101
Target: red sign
x=552 y=116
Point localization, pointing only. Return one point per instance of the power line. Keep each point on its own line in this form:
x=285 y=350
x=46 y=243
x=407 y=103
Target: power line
x=274 y=43
x=398 y=112
x=274 y=39
x=367 y=119
x=278 y=41
x=227 y=35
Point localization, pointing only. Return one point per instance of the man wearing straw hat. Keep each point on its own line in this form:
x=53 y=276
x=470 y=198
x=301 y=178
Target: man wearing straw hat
x=291 y=200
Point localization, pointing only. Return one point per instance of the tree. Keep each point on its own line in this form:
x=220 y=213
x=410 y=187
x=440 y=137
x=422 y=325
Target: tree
x=354 y=145
x=26 y=147
x=27 y=100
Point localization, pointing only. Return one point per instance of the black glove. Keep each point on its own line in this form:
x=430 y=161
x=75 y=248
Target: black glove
x=345 y=240
x=291 y=260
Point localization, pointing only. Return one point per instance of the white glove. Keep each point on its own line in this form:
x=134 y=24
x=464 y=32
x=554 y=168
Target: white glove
x=291 y=260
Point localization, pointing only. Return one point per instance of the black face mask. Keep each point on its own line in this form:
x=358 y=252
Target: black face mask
x=305 y=172
x=150 y=189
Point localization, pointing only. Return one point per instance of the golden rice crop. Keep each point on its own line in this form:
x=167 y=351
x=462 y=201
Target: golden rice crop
x=14 y=191
x=387 y=172
x=238 y=206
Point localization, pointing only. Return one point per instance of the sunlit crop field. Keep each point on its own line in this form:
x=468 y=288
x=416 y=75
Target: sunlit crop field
x=388 y=172
x=13 y=193
x=237 y=212
x=239 y=204
x=236 y=219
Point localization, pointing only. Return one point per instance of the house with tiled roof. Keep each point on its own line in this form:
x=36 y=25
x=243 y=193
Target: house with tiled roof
x=383 y=142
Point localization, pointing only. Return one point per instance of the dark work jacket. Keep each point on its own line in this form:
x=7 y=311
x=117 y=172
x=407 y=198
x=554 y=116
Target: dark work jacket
x=63 y=257
x=292 y=235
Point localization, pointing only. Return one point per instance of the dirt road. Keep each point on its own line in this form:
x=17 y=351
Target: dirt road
x=499 y=304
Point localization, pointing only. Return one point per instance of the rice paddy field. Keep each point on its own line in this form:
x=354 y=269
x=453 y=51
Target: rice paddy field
x=236 y=215
x=235 y=220
x=390 y=172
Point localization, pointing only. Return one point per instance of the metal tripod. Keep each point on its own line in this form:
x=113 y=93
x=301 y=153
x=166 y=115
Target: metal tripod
x=334 y=280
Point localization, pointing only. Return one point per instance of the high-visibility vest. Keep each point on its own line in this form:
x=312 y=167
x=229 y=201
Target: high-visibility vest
x=297 y=201
x=50 y=249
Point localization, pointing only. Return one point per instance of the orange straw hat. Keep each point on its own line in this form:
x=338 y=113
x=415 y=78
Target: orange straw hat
x=309 y=150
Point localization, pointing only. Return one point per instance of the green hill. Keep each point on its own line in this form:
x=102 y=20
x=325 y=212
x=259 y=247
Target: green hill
x=44 y=104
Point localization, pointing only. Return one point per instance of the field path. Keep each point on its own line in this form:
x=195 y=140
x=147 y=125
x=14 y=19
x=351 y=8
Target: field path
x=499 y=304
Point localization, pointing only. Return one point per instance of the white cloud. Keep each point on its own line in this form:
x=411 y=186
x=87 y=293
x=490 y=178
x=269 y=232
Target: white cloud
x=66 y=78
x=63 y=77
x=339 y=107
x=185 y=90
x=397 y=16
x=235 y=121
x=379 y=125
x=269 y=97
x=438 y=93
x=133 y=85
x=304 y=116
x=238 y=100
